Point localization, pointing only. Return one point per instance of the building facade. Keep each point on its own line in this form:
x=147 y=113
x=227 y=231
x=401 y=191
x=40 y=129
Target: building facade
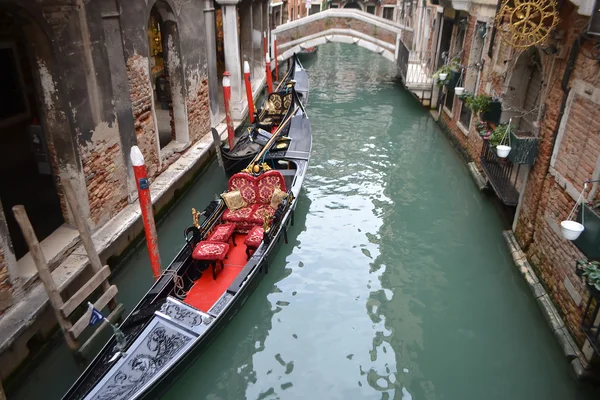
x=83 y=83
x=545 y=86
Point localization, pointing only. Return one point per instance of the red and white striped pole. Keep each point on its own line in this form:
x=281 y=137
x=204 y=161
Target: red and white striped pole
x=275 y=55
x=227 y=98
x=249 y=91
x=143 y=187
x=265 y=45
x=269 y=75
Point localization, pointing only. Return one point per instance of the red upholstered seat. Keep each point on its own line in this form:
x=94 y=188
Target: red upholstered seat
x=255 y=237
x=266 y=184
x=222 y=233
x=258 y=216
x=239 y=215
x=210 y=251
x=257 y=192
x=246 y=184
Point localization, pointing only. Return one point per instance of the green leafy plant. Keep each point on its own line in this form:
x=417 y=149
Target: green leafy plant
x=590 y=271
x=479 y=103
x=499 y=134
x=453 y=65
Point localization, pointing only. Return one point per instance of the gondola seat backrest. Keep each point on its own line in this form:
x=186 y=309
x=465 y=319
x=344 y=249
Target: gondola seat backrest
x=278 y=103
x=257 y=190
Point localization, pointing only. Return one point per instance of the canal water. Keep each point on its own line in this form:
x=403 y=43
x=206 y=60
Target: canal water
x=396 y=282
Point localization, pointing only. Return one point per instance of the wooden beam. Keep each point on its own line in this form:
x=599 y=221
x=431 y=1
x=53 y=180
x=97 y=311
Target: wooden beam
x=217 y=143
x=44 y=272
x=79 y=326
x=112 y=317
x=85 y=291
x=84 y=231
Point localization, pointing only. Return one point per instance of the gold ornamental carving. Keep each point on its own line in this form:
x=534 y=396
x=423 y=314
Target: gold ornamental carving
x=522 y=24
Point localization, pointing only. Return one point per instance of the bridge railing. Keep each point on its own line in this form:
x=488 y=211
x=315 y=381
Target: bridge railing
x=416 y=67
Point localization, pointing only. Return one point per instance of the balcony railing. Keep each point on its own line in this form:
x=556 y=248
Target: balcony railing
x=417 y=68
x=501 y=173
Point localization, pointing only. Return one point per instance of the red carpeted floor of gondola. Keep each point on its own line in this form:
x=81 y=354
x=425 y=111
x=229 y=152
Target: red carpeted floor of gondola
x=206 y=291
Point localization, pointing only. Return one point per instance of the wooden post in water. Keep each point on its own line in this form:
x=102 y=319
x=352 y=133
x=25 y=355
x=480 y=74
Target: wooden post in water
x=217 y=143
x=44 y=273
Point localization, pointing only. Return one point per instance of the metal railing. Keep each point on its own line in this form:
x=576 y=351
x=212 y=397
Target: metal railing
x=589 y=324
x=501 y=173
x=419 y=69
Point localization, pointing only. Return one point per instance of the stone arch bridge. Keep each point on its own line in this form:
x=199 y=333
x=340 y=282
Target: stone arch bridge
x=377 y=34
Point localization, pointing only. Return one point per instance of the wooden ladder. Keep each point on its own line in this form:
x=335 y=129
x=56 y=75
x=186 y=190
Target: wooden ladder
x=64 y=309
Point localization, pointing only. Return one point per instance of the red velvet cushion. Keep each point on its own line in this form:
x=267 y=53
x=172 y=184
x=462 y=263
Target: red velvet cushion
x=239 y=215
x=266 y=184
x=258 y=216
x=221 y=233
x=255 y=237
x=210 y=251
x=246 y=184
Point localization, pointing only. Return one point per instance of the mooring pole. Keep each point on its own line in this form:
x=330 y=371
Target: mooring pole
x=249 y=91
x=265 y=44
x=275 y=55
x=227 y=99
x=269 y=75
x=143 y=187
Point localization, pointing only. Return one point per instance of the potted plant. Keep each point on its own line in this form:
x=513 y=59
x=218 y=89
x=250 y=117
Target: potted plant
x=499 y=139
x=443 y=74
x=589 y=271
x=494 y=110
x=488 y=108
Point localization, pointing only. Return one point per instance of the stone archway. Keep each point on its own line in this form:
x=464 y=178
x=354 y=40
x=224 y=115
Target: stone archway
x=523 y=96
x=354 y=5
x=166 y=75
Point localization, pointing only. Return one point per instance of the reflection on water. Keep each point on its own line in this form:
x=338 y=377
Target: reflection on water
x=396 y=282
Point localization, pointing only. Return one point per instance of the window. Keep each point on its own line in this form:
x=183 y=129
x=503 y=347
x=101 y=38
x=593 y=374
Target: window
x=388 y=13
x=315 y=8
x=465 y=116
x=333 y=6
x=449 y=99
x=371 y=9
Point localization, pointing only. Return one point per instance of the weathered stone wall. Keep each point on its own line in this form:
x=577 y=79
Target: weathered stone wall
x=336 y=23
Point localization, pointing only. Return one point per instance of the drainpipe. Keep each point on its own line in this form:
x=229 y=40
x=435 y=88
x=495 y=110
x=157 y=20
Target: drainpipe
x=493 y=36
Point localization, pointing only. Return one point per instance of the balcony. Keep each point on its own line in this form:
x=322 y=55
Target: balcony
x=501 y=173
x=590 y=324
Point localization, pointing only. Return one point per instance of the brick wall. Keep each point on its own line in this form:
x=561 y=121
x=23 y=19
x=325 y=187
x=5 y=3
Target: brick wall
x=104 y=177
x=545 y=202
x=140 y=93
x=198 y=109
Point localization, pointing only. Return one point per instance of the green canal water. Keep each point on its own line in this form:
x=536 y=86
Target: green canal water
x=396 y=282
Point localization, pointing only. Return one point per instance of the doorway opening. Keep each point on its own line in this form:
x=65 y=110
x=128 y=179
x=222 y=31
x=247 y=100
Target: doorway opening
x=27 y=172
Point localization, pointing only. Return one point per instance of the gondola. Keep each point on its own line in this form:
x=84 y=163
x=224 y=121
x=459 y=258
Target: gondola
x=279 y=105
x=209 y=279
